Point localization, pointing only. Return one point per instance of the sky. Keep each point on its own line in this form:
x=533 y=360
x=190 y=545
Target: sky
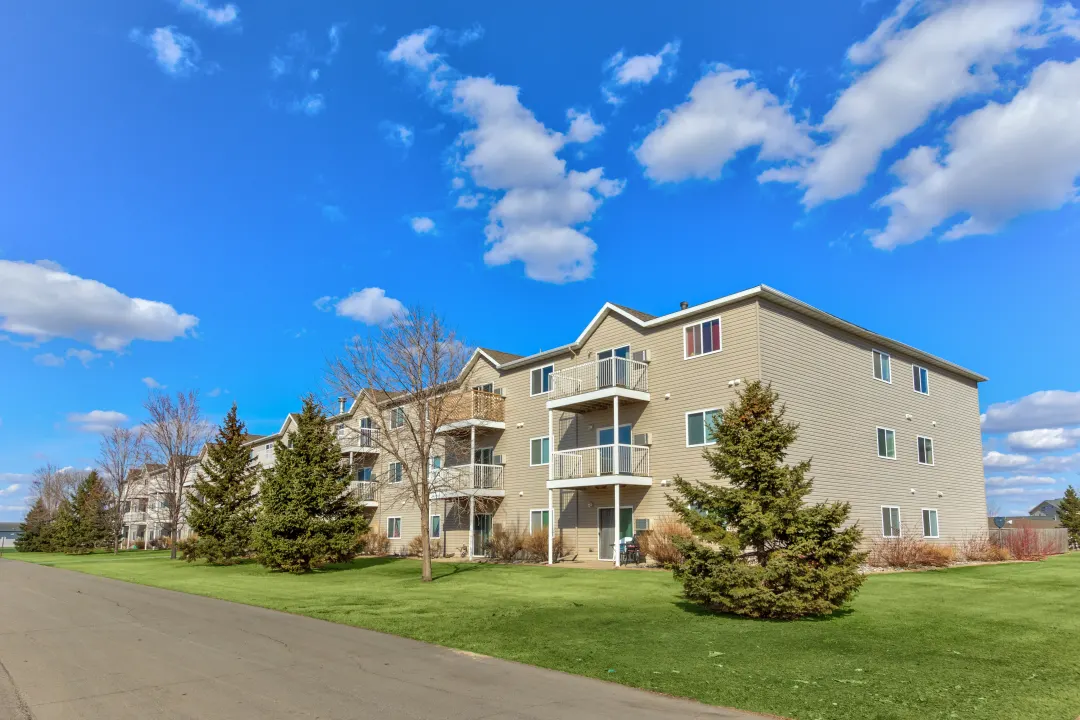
x=217 y=196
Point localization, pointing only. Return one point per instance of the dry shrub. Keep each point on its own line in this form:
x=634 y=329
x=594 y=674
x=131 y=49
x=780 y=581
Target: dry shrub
x=910 y=551
x=935 y=555
x=416 y=547
x=658 y=543
x=375 y=542
x=1025 y=544
x=979 y=548
x=535 y=547
x=506 y=545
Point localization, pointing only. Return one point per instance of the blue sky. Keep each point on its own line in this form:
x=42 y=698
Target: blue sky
x=217 y=196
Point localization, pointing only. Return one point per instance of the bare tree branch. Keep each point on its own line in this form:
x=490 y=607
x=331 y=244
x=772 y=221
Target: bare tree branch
x=121 y=451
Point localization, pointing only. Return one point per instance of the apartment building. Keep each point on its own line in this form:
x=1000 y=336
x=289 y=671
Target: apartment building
x=582 y=441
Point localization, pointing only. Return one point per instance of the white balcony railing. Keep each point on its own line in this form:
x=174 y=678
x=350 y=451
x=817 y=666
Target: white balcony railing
x=600 y=461
x=352 y=439
x=469 y=477
x=135 y=516
x=365 y=490
x=613 y=372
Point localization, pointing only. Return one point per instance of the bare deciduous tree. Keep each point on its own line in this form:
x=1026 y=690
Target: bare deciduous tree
x=122 y=450
x=405 y=375
x=53 y=485
x=176 y=432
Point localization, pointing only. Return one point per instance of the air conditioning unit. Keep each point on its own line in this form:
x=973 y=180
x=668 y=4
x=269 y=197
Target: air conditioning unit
x=498 y=460
x=641 y=524
x=641 y=356
x=499 y=391
x=643 y=439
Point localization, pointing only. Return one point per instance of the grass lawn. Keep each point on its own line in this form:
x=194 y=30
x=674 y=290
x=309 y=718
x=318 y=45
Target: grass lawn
x=975 y=642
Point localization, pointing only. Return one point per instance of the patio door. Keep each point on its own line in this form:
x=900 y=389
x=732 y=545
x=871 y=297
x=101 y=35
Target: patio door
x=610 y=371
x=481 y=534
x=365 y=432
x=605 y=461
x=610 y=536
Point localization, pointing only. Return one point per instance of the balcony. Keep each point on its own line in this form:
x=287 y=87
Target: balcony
x=366 y=491
x=474 y=408
x=135 y=516
x=593 y=385
x=600 y=465
x=465 y=480
x=358 y=440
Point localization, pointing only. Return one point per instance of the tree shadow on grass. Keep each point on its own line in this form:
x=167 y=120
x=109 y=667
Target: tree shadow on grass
x=443 y=571
x=698 y=609
x=362 y=563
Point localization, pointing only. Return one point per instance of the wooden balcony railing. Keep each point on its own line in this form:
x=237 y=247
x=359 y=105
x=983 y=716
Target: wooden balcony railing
x=475 y=405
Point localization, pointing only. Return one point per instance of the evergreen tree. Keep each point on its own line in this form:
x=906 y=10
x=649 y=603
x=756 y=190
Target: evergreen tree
x=307 y=516
x=62 y=532
x=222 y=510
x=1069 y=516
x=90 y=521
x=35 y=526
x=758 y=549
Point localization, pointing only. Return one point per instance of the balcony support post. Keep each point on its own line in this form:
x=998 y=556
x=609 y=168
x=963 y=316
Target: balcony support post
x=472 y=525
x=472 y=454
x=618 y=517
x=551 y=475
x=617 y=462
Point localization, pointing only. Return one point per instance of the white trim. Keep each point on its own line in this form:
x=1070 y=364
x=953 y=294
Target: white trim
x=617 y=538
x=887 y=431
x=393 y=414
x=873 y=369
x=598 y=395
x=472 y=460
x=402 y=473
x=541 y=371
x=430 y=518
x=602 y=481
x=899 y=525
x=686 y=427
x=616 y=437
x=470 y=422
x=719 y=326
x=933 y=450
x=531 y=441
x=388 y=519
x=538 y=510
x=937 y=521
x=924 y=369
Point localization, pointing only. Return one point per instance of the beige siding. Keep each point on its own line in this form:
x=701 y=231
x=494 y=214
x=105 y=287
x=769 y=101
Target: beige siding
x=826 y=378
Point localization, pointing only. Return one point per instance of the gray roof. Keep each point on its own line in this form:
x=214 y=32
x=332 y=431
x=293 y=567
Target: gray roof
x=636 y=313
x=499 y=356
x=9 y=526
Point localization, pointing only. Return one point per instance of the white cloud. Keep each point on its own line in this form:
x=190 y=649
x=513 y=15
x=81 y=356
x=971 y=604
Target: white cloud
x=220 y=16
x=1042 y=409
x=83 y=356
x=1003 y=160
x=324 y=303
x=638 y=70
x=1016 y=480
x=412 y=51
x=582 y=127
x=42 y=304
x=457 y=183
x=1056 y=464
x=995 y=459
x=10 y=489
x=176 y=53
x=1044 y=439
x=152 y=383
x=469 y=201
x=370 y=306
x=999 y=492
x=216 y=392
x=97 y=421
x=311 y=104
x=422 y=225
x=48 y=360
x=398 y=134
x=726 y=112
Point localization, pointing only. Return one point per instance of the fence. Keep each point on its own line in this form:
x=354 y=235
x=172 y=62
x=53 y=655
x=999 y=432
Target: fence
x=1031 y=541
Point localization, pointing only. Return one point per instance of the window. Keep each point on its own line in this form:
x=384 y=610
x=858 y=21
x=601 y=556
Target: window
x=486 y=387
x=882 y=366
x=886 y=443
x=436 y=526
x=395 y=472
x=926 y=451
x=393 y=528
x=699 y=427
x=929 y=523
x=397 y=418
x=702 y=338
x=538 y=520
x=921 y=379
x=340 y=428
x=541 y=380
x=363 y=474
x=540 y=451
x=890 y=521
x=436 y=462
x=269 y=448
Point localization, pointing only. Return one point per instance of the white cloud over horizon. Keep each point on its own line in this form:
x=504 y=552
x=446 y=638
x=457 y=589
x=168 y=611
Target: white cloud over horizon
x=1044 y=439
x=97 y=421
x=370 y=306
x=1042 y=409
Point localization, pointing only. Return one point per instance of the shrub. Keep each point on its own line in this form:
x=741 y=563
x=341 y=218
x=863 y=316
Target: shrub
x=416 y=547
x=140 y=544
x=1025 y=543
x=658 y=543
x=936 y=555
x=979 y=548
x=506 y=545
x=910 y=551
x=535 y=547
x=375 y=542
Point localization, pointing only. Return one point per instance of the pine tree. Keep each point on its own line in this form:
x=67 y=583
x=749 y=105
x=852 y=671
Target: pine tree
x=307 y=516
x=62 y=534
x=90 y=521
x=223 y=508
x=758 y=549
x=1069 y=516
x=35 y=526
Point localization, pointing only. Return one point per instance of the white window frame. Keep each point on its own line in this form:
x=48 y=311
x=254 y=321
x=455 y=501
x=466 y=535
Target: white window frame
x=483 y=387
x=388 y=520
x=883 y=354
x=933 y=450
x=686 y=427
x=887 y=431
x=393 y=416
x=541 y=511
x=541 y=371
x=400 y=475
x=926 y=370
x=937 y=522
x=431 y=529
x=899 y=526
x=541 y=439
x=682 y=337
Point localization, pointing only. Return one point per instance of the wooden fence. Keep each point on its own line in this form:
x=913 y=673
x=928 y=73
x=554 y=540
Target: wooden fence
x=1038 y=541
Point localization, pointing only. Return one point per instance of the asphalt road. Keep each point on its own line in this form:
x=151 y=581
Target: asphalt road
x=78 y=646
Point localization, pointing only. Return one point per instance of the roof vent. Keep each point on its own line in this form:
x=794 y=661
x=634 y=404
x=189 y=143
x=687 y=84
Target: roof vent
x=341 y=404
x=683 y=305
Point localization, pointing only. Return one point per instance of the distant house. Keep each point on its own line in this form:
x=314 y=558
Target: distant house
x=1047 y=509
x=9 y=532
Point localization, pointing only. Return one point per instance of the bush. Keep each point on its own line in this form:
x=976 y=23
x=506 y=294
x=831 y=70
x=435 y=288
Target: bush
x=979 y=548
x=910 y=551
x=1025 y=544
x=506 y=545
x=375 y=542
x=140 y=544
x=937 y=555
x=535 y=547
x=658 y=543
x=416 y=546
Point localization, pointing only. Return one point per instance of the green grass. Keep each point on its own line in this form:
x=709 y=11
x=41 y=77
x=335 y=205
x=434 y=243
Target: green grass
x=975 y=642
